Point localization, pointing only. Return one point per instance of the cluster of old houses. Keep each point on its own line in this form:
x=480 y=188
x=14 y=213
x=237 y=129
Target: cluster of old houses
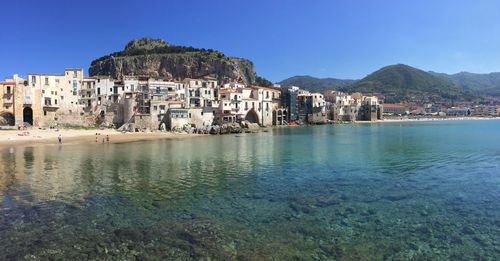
x=137 y=103
x=463 y=109
x=140 y=103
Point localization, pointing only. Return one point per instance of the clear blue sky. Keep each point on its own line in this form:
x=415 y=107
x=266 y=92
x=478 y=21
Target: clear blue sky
x=342 y=39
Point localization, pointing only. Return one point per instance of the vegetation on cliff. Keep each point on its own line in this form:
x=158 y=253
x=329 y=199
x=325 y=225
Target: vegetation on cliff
x=157 y=58
x=150 y=46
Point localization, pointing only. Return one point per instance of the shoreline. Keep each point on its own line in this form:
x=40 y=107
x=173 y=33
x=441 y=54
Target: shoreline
x=432 y=119
x=11 y=138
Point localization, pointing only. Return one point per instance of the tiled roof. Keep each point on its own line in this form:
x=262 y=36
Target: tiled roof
x=394 y=106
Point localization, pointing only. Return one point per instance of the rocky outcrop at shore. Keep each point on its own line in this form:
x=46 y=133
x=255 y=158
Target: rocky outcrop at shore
x=225 y=129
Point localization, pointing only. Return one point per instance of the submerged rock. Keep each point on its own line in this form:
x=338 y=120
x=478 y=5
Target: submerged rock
x=397 y=196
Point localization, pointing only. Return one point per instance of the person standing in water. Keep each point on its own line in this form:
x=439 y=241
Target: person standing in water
x=59 y=139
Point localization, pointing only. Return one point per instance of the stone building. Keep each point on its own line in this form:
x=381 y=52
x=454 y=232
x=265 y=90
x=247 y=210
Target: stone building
x=54 y=98
x=312 y=108
x=370 y=109
x=7 y=108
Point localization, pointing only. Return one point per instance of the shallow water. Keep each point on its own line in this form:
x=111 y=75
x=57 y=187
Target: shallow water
x=393 y=191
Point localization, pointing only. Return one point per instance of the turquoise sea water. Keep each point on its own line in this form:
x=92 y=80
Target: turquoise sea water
x=392 y=191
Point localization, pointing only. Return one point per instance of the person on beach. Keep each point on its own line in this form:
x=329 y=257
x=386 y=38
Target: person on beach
x=107 y=138
x=59 y=139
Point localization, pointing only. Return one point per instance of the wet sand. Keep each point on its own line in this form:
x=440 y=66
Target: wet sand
x=48 y=137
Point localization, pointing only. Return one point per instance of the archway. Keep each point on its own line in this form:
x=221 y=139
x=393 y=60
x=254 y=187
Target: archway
x=252 y=116
x=7 y=118
x=28 y=115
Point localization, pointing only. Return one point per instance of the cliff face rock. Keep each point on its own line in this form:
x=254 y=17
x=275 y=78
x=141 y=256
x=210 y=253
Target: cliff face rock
x=156 y=58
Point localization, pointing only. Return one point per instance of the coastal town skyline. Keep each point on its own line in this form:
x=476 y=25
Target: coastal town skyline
x=297 y=36
x=249 y=130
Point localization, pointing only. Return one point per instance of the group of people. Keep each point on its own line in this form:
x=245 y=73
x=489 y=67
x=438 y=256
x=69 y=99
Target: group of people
x=103 y=139
x=59 y=139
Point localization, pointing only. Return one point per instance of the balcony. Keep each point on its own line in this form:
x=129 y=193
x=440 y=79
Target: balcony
x=8 y=98
x=48 y=105
x=87 y=98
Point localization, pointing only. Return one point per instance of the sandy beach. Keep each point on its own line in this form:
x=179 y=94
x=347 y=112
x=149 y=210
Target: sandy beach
x=48 y=137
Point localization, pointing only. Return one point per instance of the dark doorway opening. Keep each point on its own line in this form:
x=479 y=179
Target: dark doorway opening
x=28 y=115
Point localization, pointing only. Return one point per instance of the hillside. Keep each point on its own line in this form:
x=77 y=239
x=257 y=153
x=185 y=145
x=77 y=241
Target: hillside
x=478 y=84
x=157 y=58
x=402 y=83
x=316 y=84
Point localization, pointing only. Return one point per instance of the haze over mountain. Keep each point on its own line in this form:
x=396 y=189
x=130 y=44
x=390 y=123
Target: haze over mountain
x=316 y=84
x=476 y=83
x=402 y=82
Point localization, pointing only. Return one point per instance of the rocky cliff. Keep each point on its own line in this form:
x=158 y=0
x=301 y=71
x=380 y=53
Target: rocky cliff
x=156 y=58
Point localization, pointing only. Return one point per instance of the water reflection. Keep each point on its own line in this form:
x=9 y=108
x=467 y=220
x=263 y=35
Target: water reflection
x=394 y=191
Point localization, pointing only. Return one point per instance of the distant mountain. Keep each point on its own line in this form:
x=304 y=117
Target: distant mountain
x=314 y=84
x=477 y=84
x=402 y=83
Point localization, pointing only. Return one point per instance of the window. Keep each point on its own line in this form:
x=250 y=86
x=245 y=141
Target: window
x=110 y=89
x=43 y=91
x=46 y=80
x=189 y=115
x=155 y=108
x=55 y=101
x=98 y=91
x=8 y=89
x=44 y=113
x=33 y=79
x=75 y=74
x=62 y=97
x=74 y=84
